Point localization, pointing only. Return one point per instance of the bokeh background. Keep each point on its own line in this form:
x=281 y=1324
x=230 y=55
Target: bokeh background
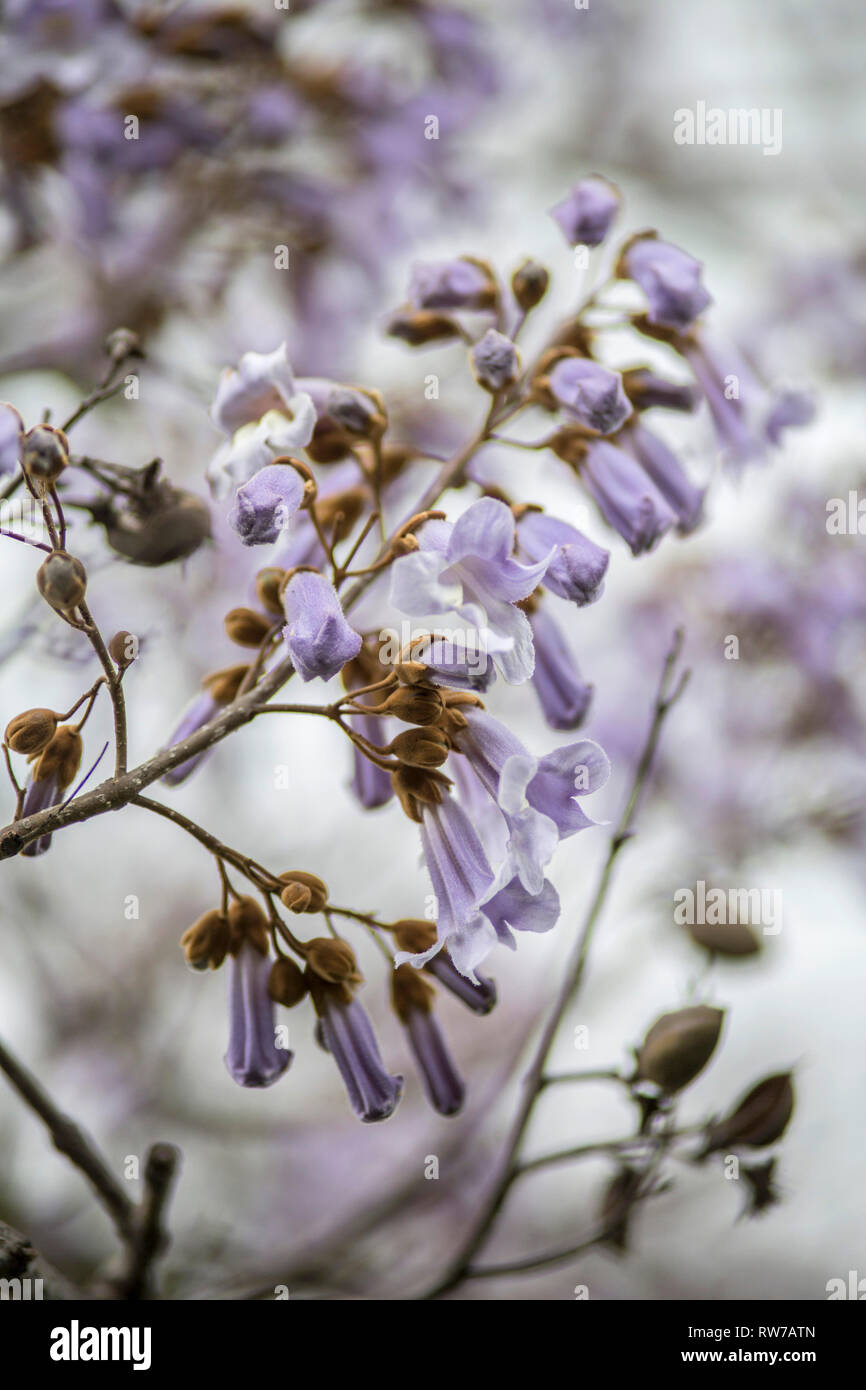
x=305 y=128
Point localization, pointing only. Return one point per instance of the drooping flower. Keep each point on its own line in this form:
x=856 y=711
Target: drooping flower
x=259 y=406
x=264 y=504
x=469 y=568
x=412 y=997
x=564 y=697
x=587 y=212
x=347 y=1034
x=219 y=690
x=317 y=635
x=578 y=567
x=667 y=473
x=414 y=937
x=252 y=1057
x=669 y=277
x=627 y=498
x=53 y=771
x=591 y=394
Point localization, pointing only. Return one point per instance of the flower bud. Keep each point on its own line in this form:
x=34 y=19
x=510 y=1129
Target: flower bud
x=44 y=454
x=761 y=1117
x=286 y=982
x=359 y=413
x=31 y=731
x=495 y=361
x=410 y=990
x=425 y=747
x=303 y=892
x=339 y=512
x=206 y=942
x=224 y=685
x=61 y=758
x=679 y=1045
x=529 y=284
x=333 y=960
x=122 y=343
x=415 y=786
x=268 y=582
x=247 y=922
x=62 y=581
x=123 y=649
x=415 y=935
x=246 y=627
x=422 y=326
x=418 y=705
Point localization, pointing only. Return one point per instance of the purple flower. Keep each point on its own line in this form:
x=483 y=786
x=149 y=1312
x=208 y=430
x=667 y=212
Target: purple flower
x=645 y=390
x=513 y=908
x=347 y=1033
x=461 y=878
x=671 y=280
x=199 y=711
x=746 y=415
x=591 y=394
x=457 y=284
x=413 y=1004
x=495 y=361
x=264 y=504
x=261 y=382
x=317 y=635
x=558 y=781
x=587 y=212
x=626 y=497
x=265 y=414
x=669 y=476
x=39 y=794
x=480 y=997
x=578 y=567
x=371 y=784
x=563 y=696
x=469 y=568
x=253 y=1058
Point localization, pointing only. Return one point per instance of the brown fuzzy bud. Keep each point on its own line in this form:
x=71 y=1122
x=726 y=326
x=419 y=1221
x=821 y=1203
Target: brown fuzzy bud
x=61 y=758
x=123 y=649
x=569 y=444
x=761 y=1117
x=417 y=327
x=268 y=582
x=414 y=934
x=247 y=922
x=31 y=731
x=62 y=581
x=415 y=787
x=341 y=510
x=303 y=892
x=286 y=982
x=333 y=960
x=410 y=991
x=357 y=411
x=529 y=284
x=725 y=939
x=424 y=747
x=224 y=685
x=415 y=705
x=679 y=1045
x=44 y=454
x=206 y=942
x=246 y=627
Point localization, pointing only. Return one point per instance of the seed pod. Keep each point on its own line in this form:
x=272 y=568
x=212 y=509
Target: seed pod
x=164 y=525
x=61 y=759
x=286 y=982
x=246 y=627
x=529 y=284
x=31 y=731
x=414 y=934
x=62 y=581
x=427 y=747
x=44 y=455
x=415 y=705
x=303 y=892
x=268 y=583
x=206 y=942
x=725 y=939
x=123 y=649
x=224 y=685
x=679 y=1045
x=410 y=990
x=247 y=922
x=333 y=960
x=761 y=1117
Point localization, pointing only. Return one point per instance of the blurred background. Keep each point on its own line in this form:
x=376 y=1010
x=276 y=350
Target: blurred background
x=305 y=128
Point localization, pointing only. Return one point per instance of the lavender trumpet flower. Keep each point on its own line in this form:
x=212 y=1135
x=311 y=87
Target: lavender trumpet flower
x=628 y=500
x=667 y=473
x=669 y=277
x=252 y=1056
x=563 y=696
x=591 y=394
x=347 y=1034
x=578 y=567
x=318 y=637
x=412 y=997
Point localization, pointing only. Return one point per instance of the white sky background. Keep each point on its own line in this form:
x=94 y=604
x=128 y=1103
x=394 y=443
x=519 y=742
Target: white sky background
x=132 y=1044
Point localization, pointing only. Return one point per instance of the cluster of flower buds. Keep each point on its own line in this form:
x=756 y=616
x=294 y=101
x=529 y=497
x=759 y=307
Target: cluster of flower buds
x=54 y=752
